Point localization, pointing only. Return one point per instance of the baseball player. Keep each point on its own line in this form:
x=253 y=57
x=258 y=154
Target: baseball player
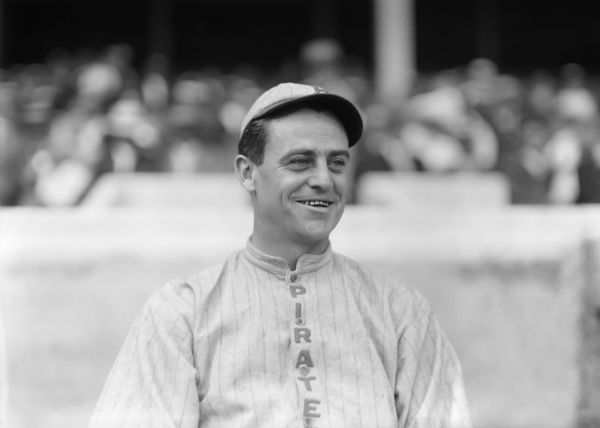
x=285 y=332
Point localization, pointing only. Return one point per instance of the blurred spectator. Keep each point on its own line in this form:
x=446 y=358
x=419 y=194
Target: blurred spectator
x=534 y=160
x=529 y=162
x=564 y=155
x=12 y=159
x=155 y=84
x=381 y=148
x=194 y=129
x=241 y=93
x=573 y=145
x=98 y=84
x=133 y=137
x=574 y=101
x=445 y=133
x=588 y=173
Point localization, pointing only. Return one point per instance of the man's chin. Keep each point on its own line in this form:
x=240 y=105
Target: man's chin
x=317 y=231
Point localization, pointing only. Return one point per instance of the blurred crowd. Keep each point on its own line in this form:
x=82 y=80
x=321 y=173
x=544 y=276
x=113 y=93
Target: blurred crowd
x=68 y=121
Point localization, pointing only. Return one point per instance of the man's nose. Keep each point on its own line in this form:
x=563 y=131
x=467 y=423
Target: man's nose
x=320 y=177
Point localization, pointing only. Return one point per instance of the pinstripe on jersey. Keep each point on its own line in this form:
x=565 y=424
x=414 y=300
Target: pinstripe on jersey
x=250 y=343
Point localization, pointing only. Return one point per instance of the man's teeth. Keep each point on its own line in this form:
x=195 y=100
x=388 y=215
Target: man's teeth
x=316 y=203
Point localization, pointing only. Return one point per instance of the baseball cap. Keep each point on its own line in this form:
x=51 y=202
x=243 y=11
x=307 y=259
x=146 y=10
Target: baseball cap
x=289 y=94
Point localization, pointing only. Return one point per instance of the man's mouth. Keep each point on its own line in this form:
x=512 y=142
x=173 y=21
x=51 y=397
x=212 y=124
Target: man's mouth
x=316 y=203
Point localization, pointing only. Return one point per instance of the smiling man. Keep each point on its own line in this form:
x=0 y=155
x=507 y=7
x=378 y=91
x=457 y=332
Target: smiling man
x=286 y=332
x=298 y=184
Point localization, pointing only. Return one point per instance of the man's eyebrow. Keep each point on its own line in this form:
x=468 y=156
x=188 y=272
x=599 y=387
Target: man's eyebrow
x=344 y=153
x=313 y=153
x=292 y=153
x=300 y=152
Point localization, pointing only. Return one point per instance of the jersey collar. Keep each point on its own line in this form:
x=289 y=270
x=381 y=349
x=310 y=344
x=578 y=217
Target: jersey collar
x=278 y=266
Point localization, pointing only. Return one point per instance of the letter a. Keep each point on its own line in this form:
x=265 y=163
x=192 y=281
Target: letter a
x=304 y=359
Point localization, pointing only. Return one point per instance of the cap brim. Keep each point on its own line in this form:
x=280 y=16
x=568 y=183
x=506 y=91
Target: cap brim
x=343 y=109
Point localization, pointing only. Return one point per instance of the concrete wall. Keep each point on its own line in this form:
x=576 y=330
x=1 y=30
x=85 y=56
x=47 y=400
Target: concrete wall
x=139 y=189
x=512 y=287
x=418 y=192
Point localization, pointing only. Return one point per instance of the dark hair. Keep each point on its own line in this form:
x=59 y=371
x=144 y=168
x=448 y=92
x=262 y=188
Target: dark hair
x=254 y=138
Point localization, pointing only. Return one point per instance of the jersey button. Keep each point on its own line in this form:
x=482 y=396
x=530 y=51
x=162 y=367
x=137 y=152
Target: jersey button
x=294 y=277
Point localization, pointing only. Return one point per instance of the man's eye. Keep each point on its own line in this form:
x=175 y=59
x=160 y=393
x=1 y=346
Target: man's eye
x=338 y=164
x=299 y=162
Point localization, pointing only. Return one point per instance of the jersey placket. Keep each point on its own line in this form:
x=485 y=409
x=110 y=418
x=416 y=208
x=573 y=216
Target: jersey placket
x=302 y=345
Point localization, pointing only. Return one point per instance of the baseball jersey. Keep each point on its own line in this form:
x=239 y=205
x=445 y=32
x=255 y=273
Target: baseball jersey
x=251 y=344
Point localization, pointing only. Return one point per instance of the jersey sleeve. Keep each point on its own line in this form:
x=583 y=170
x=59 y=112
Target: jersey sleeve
x=429 y=383
x=153 y=380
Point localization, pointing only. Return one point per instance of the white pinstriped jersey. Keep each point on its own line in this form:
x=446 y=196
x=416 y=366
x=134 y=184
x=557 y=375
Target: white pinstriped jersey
x=250 y=343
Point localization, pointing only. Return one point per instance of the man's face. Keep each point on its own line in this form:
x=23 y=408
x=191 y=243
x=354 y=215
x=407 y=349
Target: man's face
x=301 y=185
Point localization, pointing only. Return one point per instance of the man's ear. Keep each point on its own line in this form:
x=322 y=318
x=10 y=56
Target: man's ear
x=245 y=170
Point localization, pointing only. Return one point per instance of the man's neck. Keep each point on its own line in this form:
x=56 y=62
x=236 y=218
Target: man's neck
x=288 y=251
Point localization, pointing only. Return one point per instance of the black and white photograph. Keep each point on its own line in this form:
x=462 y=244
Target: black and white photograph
x=299 y=214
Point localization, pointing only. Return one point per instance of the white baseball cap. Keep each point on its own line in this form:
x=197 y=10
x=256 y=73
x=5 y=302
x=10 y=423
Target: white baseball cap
x=288 y=94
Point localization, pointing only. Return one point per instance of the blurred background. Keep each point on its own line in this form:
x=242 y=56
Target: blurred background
x=477 y=180
x=482 y=86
